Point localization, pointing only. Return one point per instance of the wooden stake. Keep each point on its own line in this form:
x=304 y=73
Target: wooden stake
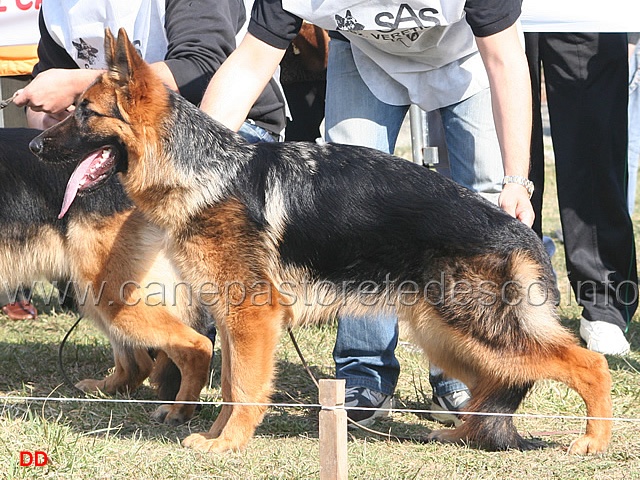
x=333 y=431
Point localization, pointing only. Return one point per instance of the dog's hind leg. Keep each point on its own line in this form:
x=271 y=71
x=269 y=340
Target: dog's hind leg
x=496 y=430
x=588 y=374
x=132 y=366
x=584 y=371
x=248 y=336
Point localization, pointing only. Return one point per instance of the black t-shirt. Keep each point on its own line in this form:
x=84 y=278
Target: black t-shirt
x=277 y=27
x=201 y=35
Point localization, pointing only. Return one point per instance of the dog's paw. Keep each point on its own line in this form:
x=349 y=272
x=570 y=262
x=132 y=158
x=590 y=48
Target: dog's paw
x=207 y=442
x=160 y=413
x=89 y=385
x=587 y=445
x=173 y=415
x=445 y=436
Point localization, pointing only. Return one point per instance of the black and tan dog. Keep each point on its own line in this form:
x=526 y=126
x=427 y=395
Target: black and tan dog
x=275 y=234
x=103 y=251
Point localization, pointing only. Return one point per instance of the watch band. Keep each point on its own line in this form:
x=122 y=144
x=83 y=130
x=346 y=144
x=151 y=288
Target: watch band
x=517 y=179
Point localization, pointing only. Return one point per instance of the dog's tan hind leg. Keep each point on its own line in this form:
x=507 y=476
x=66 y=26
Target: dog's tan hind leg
x=132 y=366
x=588 y=374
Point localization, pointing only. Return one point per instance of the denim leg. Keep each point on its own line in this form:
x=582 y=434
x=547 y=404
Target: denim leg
x=364 y=352
x=634 y=126
x=364 y=349
x=253 y=133
x=472 y=144
x=353 y=115
x=441 y=384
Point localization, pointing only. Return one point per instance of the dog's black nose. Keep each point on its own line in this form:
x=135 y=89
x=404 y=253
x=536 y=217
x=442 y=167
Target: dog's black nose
x=36 y=145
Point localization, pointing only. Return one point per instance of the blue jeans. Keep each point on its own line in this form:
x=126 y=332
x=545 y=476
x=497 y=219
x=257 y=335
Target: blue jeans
x=634 y=125
x=364 y=348
x=253 y=133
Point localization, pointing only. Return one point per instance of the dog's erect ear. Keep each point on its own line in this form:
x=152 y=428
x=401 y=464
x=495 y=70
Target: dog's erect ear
x=123 y=61
x=109 y=46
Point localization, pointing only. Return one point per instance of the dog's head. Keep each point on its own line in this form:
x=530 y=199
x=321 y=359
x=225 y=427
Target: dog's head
x=116 y=122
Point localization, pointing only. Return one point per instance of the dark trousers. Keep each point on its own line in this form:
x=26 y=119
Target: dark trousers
x=306 y=104
x=586 y=82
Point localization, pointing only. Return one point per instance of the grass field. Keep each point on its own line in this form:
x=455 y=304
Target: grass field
x=119 y=441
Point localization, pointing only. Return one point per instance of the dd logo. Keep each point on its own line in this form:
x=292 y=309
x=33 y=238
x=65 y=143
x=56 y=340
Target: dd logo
x=33 y=459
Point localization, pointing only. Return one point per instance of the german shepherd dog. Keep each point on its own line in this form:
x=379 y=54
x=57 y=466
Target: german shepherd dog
x=277 y=234
x=101 y=246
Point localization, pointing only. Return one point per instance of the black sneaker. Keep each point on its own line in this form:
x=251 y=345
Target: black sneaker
x=447 y=405
x=377 y=404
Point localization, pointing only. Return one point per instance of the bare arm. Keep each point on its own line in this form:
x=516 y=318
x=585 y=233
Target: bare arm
x=508 y=72
x=239 y=81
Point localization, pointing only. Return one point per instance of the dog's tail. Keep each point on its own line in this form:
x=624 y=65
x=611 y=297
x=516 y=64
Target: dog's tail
x=507 y=303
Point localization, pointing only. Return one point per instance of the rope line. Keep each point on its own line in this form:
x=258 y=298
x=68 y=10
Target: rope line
x=8 y=399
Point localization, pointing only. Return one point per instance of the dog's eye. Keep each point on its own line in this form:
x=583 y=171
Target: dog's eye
x=84 y=111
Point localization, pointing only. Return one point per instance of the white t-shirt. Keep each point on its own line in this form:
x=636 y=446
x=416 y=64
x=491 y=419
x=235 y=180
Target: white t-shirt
x=79 y=25
x=422 y=53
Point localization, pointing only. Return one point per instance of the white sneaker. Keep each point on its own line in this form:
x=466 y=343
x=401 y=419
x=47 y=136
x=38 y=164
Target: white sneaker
x=603 y=337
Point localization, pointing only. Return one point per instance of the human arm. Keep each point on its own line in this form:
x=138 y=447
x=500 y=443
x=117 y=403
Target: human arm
x=493 y=23
x=510 y=85
x=240 y=80
x=236 y=85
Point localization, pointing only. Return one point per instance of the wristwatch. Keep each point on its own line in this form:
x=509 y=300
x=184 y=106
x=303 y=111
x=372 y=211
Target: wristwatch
x=525 y=182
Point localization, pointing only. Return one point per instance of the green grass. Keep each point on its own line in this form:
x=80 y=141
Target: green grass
x=119 y=441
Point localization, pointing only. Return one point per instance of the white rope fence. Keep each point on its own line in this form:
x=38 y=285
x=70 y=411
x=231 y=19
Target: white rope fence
x=332 y=419
x=21 y=399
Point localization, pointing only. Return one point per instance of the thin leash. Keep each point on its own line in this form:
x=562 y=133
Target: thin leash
x=60 y=361
x=5 y=103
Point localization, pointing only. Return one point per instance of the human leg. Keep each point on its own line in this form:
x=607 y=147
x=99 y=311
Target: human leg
x=586 y=77
x=364 y=349
x=472 y=143
x=353 y=115
x=306 y=104
x=536 y=173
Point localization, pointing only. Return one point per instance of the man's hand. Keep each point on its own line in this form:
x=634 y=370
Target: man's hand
x=514 y=200
x=54 y=91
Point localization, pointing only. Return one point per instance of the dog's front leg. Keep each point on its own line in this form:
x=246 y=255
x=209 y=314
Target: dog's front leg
x=249 y=336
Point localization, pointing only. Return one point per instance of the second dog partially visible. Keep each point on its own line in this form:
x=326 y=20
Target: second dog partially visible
x=105 y=251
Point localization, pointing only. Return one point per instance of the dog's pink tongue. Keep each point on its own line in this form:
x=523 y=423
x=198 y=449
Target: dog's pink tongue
x=73 y=185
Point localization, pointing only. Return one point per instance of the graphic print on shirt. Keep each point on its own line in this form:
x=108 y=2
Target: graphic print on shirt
x=85 y=52
x=348 y=23
x=78 y=26
x=406 y=17
x=402 y=25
